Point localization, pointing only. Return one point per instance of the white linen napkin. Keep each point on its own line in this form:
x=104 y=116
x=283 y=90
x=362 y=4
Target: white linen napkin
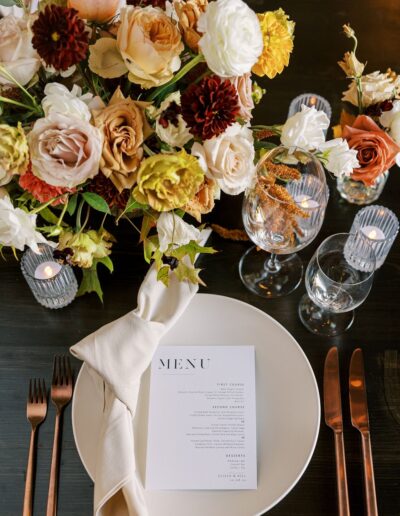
x=117 y=355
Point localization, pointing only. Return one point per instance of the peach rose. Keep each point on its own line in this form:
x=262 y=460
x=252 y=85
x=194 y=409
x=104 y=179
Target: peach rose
x=244 y=88
x=376 y=151
x=188 y=13
x=124 y=127
x=150 y=44
x=99 y=11
x=203 y=201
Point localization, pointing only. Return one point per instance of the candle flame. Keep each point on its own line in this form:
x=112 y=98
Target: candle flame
x=372 y=234
x=313 y=101
x=48 y=271
x=304 y=203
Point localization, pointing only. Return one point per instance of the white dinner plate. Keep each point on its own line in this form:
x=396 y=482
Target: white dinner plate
x=288 y=409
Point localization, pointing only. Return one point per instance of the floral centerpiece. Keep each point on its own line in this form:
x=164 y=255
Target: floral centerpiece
x=143 y=109
x=370 y=123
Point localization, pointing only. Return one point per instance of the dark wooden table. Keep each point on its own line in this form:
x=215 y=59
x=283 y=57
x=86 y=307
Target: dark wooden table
x=31 y=335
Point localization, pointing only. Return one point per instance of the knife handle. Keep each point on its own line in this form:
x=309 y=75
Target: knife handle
x=369 y=478
x=341 y=475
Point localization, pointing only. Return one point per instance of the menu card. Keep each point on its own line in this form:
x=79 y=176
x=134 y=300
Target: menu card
x=202 y=418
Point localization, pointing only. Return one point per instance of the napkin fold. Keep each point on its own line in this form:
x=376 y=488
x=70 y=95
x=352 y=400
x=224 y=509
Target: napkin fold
x=117 y=355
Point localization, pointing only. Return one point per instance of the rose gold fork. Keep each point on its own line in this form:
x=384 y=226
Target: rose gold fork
x=61 y=394
x=36 y=409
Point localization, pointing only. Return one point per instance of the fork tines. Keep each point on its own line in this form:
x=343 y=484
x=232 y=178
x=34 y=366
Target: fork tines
x=37 y=391
x=62 y=372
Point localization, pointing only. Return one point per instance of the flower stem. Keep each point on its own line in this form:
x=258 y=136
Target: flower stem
x=5 y=72
x=182 y=72
x=359 y=95
x=43 y=206
x=16 y=103
x=64 y=210
x=79 y=215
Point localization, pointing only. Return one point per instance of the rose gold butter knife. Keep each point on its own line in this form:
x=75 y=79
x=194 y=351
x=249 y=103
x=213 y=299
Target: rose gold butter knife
x=333 y=418
x=359 y=419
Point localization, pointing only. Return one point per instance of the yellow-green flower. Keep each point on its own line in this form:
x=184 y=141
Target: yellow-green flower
x=86 y=246
x=14 y=152
x=168 y=181
x=278 y=34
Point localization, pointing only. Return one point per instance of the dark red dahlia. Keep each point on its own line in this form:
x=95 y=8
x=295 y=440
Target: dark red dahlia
x=145 y=3
x=104 y=187
x=60 y=37
x=377 y=109
x=210 y=106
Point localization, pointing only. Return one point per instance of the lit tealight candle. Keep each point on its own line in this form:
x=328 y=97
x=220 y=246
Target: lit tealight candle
x=373 y=232
x=312 y=101
x=47 y=270
x=306 y=202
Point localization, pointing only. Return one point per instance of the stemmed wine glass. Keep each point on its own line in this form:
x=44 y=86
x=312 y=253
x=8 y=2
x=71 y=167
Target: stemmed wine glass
x=282 y=211
x=337 y=282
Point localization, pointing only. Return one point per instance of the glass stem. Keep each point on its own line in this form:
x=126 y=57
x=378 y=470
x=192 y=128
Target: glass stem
x=272 y=264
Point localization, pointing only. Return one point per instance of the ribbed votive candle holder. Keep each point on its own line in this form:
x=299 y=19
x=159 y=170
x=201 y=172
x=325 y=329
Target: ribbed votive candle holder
x=310 y=100
x=54 y=285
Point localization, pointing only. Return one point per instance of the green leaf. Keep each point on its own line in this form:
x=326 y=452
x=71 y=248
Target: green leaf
x=192 y=249
x=183 y=272
x=48 y=216
x=132 y=205
x=107 y=262
x=163 y=275
x=90 y=282
x=96 y=202
x=73 y=201
x=149 y=246
x=180 y=213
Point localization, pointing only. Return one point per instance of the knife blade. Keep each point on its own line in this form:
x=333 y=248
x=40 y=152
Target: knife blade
x=360 y=420
x=334 y=419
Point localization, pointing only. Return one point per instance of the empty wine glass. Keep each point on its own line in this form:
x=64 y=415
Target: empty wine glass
x=283 y=211
x=336 y=283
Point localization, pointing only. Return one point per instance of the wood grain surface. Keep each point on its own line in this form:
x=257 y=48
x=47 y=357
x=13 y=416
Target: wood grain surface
x=31 y=335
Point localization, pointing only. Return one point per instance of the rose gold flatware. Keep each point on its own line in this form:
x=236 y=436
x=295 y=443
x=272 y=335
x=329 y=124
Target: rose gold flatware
x=61 y=394
x=333 y=418
x=36 y=409
x=360 y=420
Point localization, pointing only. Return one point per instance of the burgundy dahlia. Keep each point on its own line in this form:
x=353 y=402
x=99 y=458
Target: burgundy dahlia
x=145 y=3
x=210 y=106
x=102 y=186
x=60 y=37
x=170 y=115
x=377 y=109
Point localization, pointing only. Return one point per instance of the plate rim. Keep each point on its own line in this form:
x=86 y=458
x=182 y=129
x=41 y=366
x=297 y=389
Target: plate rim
x=315 y=384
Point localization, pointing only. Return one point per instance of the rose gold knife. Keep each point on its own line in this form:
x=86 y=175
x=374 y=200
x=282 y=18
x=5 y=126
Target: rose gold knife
x=333 y=418
x=359 y=419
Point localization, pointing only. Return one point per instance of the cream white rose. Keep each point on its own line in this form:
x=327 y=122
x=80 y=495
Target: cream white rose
x=376 y=87
x=305 y=129
x=228 y=158
x=391 y=120
x=65 y=151
x=232 y=40
x=18 y=228
x=172 y=229
x=58 y=99
x=338 y=158
x=17 y=54
x=170 y=126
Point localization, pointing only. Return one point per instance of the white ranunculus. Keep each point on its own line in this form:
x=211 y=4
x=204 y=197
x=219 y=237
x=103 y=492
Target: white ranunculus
x=18 y=228
x=305 y=129
x=228 y=158
x=65 y=151
x=58 y=99
x=338 y=158
x=232 y=40
x=17 y=54
x=173 y=133
x=172 y=229
x=376 y=87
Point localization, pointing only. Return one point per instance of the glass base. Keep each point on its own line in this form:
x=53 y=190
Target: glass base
x=320 y=321
x=356 y=192
x=268 y=278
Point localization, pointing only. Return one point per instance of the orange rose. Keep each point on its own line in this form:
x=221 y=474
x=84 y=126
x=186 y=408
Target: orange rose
x=95 y=10
x=376 y=151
